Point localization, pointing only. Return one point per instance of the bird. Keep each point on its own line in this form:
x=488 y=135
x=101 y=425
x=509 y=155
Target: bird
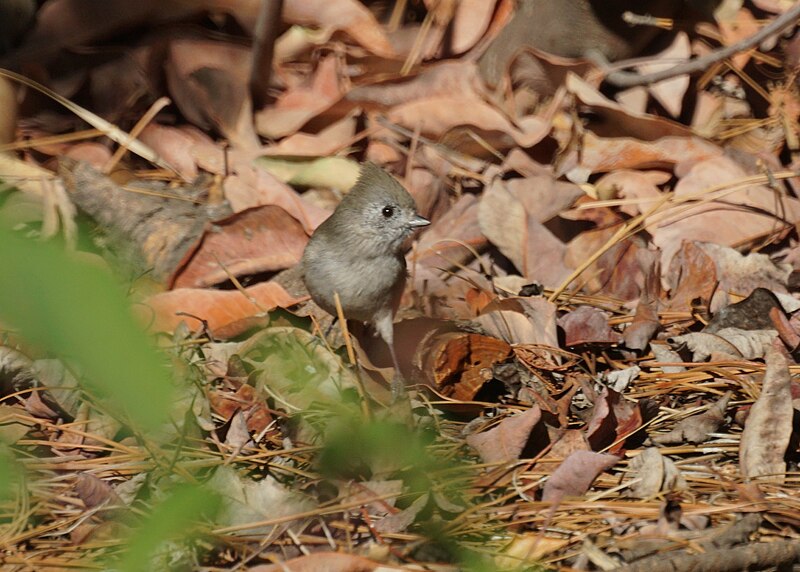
x=357 y=253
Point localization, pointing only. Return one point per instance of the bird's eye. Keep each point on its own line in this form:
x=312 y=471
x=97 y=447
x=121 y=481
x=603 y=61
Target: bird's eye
x=387 y=211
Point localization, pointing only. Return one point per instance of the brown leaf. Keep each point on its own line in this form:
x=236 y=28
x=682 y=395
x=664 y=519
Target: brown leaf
x=645 y=322
x=726 y=343
x=768 y=428
x=439 y=79
x=731 y=219
x=587 y=325
x=326 y=142
x=653 y=473
x=94 y=492
x=617 y=121
x=575 y=475
x=349 y=16
x=516 y=232
x=521 y=321
x=506 y=441
x=440 y=244
x=638 y=187
x=692 y=278
x=256 y=414
x=261 y=239
x=696 y=429
x=613 y=418
x=601 y=154
x=470 y=21
x=439 y=114
x=175 y=145
x=739 y=275
x=617 y=272
x=326 y=562
x=95 y=154
x=209 y=82
x=217 y=307
x=251 y=186
x=300 y=103
x=566 y=443
x=670 y=92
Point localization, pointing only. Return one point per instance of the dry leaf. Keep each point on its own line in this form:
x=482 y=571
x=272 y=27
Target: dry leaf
x=506 y=442
x=575 y=475
x=769 y=426
x=216 y=308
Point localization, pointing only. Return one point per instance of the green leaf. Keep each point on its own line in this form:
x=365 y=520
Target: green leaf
x=78 y=312
x=170 y=520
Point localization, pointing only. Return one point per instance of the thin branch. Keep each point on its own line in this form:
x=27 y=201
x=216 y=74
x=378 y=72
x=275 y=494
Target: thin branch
x=628 y=79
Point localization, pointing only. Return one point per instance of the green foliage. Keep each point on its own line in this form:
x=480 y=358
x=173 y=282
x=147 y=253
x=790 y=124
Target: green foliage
x=76 y=311
x=357 y=448
x=149 y=547
x=10 y=475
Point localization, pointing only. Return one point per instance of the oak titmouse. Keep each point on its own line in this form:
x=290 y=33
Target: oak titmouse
x=358 y=252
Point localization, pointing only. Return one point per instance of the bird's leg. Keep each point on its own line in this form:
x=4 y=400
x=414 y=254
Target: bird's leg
x=385 y=326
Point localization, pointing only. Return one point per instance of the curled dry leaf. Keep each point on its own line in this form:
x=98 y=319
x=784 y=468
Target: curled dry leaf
x=696 y=429
x=613 y=419
x=262 y=239
x=653 y=474
x=521 y=321
x=458 y=364
x=217 y=308
x=768 y=428
x=506 y=442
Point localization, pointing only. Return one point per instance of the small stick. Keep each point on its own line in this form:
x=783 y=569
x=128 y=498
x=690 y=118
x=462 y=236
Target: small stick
x=627 y=79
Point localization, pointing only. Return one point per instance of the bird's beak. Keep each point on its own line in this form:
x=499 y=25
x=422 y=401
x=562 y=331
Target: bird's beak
x=418 y=221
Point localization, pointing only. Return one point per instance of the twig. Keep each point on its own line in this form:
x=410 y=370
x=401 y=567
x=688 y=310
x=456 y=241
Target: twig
x=268 y=27
x=628 y=79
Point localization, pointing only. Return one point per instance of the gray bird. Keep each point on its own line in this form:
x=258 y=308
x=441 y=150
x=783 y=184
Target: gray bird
x=358 y=252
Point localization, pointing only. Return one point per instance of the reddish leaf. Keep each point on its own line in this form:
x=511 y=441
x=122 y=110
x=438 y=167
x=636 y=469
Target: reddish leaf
x=218 y=308
x=576 y=474
x=505 y=442
x=258 y=240
x=587 y=325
